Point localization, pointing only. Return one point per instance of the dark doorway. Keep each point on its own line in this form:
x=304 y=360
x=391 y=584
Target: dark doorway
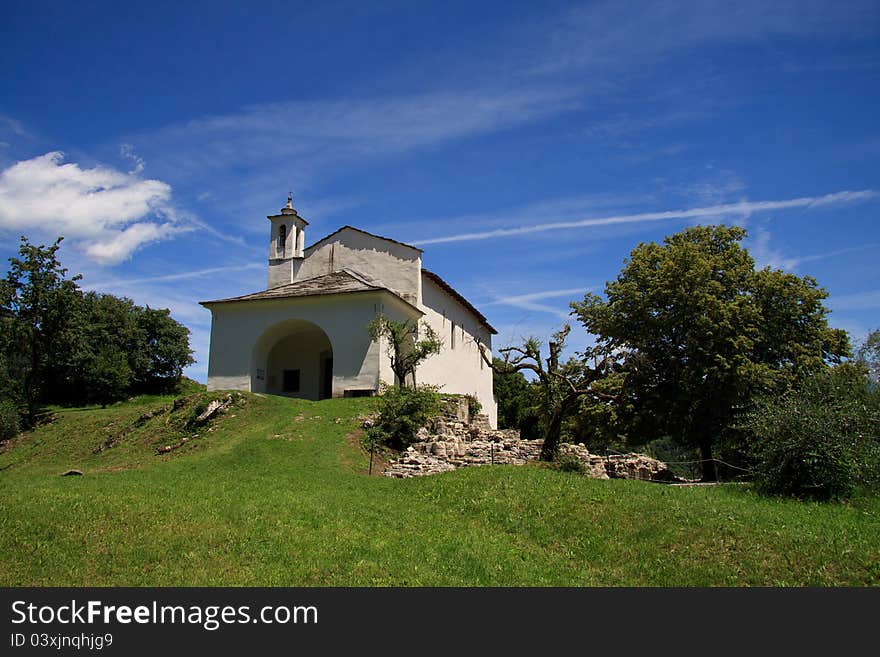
x=291 y=381
x=326 y=377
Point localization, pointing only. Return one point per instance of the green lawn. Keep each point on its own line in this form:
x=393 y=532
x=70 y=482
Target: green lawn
x=276 y=495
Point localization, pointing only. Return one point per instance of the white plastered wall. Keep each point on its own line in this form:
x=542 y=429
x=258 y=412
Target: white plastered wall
x=460 y=369
x=244 y=333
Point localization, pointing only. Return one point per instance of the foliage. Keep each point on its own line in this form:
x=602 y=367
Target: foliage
x=401 y=412
x=518 y=403
x=405 y=349
x=474 y=405
x=59 y=345
x=821 y=440
x=869 y=354
x=603 y=423
x=559 y=385
x=698 y=331
x=36 y=299
x=164 y=349
x=570 y=463
x=9 y=420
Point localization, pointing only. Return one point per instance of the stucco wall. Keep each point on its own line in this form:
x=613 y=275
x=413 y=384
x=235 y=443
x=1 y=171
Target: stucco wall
x=243 y=334
x=460 y=368
x=394 y=266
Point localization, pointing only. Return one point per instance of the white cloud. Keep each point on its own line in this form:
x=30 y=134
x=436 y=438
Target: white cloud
x=740 y=209
x=104 y=212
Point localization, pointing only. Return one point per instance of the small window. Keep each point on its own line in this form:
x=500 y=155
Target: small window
x=282 y=238
x=452 y=336
x=291 y=381
x=358 y=393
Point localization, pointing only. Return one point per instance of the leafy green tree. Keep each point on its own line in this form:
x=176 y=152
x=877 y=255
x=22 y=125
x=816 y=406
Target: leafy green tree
x=698 y=331
x=405 y=349
x=58 y=344
x=162 y=350
x=39 y=303
x=108 y=340
x=869 y=354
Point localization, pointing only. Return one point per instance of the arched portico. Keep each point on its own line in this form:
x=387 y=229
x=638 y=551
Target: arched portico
x=293 y=358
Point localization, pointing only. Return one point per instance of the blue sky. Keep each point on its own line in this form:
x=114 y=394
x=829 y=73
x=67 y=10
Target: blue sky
x=527 y=147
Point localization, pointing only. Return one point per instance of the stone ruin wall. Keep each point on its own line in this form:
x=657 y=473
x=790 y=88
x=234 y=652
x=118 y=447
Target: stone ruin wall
x=454 y=440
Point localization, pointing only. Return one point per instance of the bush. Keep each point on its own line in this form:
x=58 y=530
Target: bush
x=474 y=406
x=9 y=420
x=402 y=411
x=570 y=463
x=820 y=441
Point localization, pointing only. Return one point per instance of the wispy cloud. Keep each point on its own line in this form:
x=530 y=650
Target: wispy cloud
x=742 y=209
x=869 y=300
x=106 y=213
x=596 y=34
x=530 y=301
x=766 y=255
x=186 y=275
x=327 y=132
x=127 y=151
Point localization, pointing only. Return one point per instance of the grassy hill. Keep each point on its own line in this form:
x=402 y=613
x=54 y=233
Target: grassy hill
x=275 y=493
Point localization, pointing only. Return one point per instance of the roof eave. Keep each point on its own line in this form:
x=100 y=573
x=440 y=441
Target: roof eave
x=218 y=302
x=458 y=297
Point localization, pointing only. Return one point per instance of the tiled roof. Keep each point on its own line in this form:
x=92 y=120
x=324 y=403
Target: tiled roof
x=338 y=282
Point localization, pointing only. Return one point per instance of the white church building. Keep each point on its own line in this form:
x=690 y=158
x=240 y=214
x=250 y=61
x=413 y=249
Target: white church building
x=306 y=334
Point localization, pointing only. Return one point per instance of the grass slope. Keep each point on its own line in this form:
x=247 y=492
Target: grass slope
x=275 y=494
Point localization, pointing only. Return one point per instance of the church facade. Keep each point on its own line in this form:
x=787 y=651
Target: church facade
x=306 y=334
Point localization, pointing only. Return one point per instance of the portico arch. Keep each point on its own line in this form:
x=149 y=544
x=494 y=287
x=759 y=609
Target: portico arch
x=293 y=358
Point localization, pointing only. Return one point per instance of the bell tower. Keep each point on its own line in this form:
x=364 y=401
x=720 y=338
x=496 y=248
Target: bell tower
x=286 y=240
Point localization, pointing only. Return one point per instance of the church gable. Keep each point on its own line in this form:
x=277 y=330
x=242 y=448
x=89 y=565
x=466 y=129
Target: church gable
x=387 y=262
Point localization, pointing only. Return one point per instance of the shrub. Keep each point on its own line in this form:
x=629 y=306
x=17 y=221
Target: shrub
x=9 y=419
x=474 y=406
x=819 y=441
x=570 y=463
x=402 y=411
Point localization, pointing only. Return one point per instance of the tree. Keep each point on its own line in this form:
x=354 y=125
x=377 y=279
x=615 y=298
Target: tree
x=163 y=349
x=38 y=302
x=57 y=344
x=869 y=354
x=699 y=331
x=405 y=350
x=560 y=385
x=517 y=400
x=108 y=341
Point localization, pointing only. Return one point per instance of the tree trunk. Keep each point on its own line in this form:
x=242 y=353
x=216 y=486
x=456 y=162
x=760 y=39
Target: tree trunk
x=707 y=464
x=551 y=441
